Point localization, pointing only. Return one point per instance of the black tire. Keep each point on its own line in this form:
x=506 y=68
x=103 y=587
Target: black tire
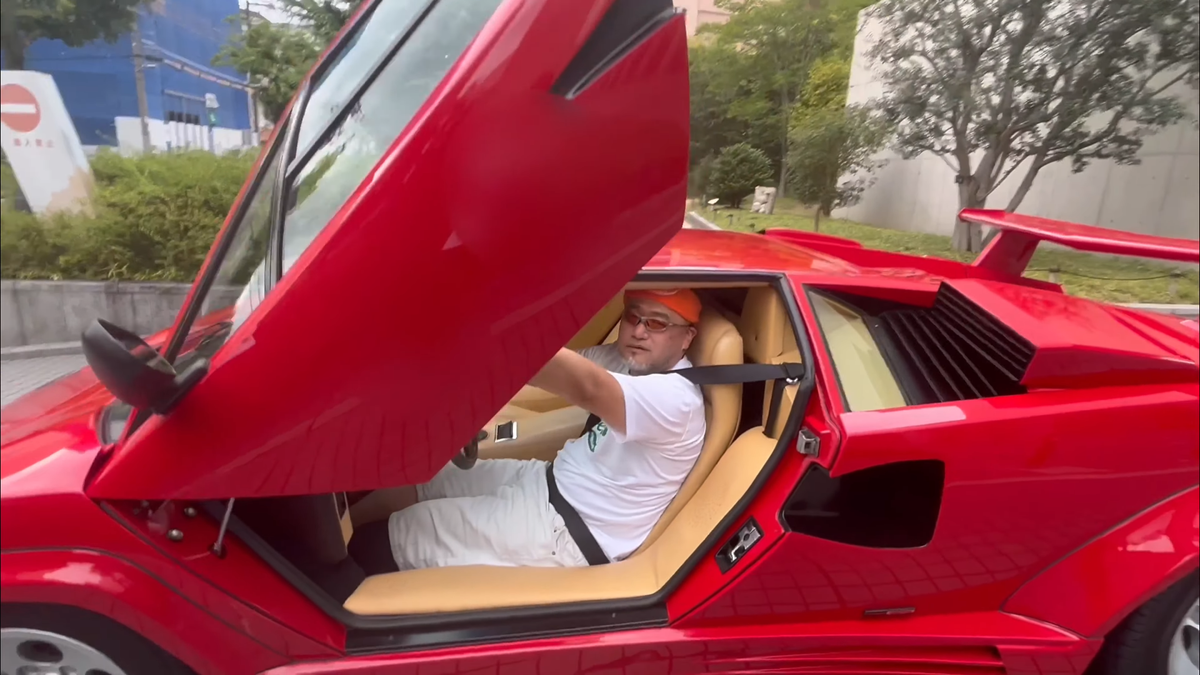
x=1139 y=645
x=133 y=653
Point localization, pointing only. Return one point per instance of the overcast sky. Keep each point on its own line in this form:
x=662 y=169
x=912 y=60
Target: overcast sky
x=267 y=8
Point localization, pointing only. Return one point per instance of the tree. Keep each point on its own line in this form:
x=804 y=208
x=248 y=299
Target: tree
x=833 y=144
x=323 y=18
x=996 y=86
x=737 y=170
x=277 y=57
x=777 y=42
x=717 y=81
x=22 y=22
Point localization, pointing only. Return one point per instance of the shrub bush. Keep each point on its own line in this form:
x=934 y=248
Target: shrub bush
x=155 y=217
x=737 y=170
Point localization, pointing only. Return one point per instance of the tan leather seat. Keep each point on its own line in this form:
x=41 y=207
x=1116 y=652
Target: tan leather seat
x=717 y=343
x=540 y=435
x=723 y=473
x=438 y=590
x=768 y=336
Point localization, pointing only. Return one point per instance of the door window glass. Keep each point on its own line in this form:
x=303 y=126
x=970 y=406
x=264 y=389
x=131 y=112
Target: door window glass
x=388 y=21
x=866 y=379
x=354 y=148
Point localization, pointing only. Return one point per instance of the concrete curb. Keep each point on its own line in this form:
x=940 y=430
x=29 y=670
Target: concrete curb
x=1190 y=311
x=41 y=351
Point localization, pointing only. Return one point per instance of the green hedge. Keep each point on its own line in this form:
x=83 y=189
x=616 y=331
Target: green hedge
x=155 y=217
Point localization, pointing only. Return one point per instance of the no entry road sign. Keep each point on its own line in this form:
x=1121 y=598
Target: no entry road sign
x=19 y=109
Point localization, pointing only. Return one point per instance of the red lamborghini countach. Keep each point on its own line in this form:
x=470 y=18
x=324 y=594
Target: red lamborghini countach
x=933 y=468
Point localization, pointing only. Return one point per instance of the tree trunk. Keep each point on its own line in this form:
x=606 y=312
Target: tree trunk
x=1023 y=188
x=817 y=220
x=14 y=53
x=968 y=236
x=1019 y=195
x=785 y=109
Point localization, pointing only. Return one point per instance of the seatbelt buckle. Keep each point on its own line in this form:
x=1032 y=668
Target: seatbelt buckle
x=792 y=372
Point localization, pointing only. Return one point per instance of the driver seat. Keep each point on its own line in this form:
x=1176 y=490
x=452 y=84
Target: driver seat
x=717 y=343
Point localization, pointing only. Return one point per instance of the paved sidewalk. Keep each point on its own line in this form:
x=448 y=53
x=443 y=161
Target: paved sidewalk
x=19 y=377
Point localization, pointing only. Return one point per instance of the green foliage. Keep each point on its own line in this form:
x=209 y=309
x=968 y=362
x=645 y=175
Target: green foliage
x=9 y=189
x=1108 y=278
x=827 y=85
x=277 y=57
x=832 y=156
x=75 y=22
x=155 y=219
x=737 y=170
x=717 y=83
x=322 y=18
x=698 y=177
x=748 y=74
x=992 y=86
x=771 y=45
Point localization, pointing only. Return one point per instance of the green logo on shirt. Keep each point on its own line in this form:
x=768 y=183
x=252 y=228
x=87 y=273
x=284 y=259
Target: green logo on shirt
x=594 y=436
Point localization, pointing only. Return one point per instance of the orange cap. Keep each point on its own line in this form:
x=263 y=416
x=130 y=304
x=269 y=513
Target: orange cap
x=682 y=301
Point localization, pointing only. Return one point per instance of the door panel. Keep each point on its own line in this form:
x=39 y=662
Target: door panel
x=501 y=220
x=1028 y=479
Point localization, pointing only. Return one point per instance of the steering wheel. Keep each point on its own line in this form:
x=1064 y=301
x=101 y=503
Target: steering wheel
x=467 y=457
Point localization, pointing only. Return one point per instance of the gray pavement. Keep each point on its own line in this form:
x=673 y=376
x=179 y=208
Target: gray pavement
x=21 y=376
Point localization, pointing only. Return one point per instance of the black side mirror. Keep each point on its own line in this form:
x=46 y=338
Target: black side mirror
x=133 y=371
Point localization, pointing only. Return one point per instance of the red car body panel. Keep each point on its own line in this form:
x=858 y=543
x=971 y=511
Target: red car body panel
x=1013 y=247
x=1063 y=508
x=1010 y=508
x=120 y=590
x=1092 y=589
x=947 y=645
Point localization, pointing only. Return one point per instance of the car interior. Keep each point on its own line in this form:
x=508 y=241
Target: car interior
x=742 y=322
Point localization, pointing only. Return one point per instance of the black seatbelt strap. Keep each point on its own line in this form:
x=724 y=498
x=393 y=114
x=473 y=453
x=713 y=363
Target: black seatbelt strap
x=578 y=529
x=782 y=374
x=742 y=373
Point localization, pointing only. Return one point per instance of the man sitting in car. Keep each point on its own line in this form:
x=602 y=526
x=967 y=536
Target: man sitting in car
x=605 y=491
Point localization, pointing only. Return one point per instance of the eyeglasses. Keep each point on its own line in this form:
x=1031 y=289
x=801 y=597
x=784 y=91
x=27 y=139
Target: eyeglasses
x=653 y=325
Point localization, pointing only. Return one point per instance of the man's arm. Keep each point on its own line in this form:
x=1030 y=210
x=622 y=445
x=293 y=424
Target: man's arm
x=582 y=383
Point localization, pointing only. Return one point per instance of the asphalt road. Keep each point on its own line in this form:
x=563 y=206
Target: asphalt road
x=21 y=376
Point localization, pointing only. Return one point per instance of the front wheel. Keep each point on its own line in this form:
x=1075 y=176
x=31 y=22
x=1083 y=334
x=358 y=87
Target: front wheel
x=1161 y=637
x=61 y=639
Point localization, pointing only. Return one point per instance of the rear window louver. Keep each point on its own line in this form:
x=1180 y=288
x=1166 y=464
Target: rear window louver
x=955 y=351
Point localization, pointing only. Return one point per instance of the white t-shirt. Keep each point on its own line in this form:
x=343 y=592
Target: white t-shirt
x=621 y=483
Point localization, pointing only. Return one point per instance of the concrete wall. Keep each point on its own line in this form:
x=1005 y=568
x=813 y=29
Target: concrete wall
x=38 y=312
x=166 y=136
x=1160 y=196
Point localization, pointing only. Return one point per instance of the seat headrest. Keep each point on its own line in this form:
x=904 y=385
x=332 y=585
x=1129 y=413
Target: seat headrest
x=764 y=325
x=717 y=341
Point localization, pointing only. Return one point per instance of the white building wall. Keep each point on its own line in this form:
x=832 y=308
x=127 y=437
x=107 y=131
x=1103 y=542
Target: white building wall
x=1159 y=196
x=167 y=136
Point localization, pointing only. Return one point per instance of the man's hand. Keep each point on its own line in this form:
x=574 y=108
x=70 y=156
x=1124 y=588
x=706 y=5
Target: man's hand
x=582 y=383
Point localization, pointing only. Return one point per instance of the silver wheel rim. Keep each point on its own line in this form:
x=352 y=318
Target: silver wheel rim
x=37 y=652
x=1184 y=658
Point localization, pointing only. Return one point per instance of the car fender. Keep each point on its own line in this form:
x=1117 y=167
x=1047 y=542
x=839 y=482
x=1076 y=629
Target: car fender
x=1095 y=587
x=122 y=591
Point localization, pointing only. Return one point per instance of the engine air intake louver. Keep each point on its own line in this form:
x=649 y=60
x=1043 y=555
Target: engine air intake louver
x=956 y=351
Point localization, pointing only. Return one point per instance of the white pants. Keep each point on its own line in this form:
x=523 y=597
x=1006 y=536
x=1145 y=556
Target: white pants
x=497 y=512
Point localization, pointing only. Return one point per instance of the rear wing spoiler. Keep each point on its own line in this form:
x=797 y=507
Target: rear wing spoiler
x=1012 y=248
